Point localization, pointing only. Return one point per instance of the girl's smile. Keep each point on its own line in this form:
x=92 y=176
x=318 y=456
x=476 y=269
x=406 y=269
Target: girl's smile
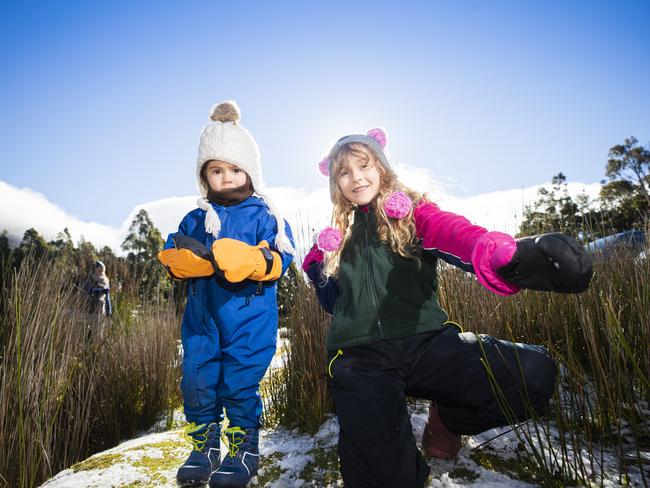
x=359 y=181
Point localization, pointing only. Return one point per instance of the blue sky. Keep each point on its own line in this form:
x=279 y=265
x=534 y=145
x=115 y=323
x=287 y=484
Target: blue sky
x=102 y=102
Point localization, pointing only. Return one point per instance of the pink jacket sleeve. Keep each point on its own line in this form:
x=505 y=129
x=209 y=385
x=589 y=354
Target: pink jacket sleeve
x=455 y=235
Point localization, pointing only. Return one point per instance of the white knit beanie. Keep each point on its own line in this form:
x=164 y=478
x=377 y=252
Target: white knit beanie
x=224 y=139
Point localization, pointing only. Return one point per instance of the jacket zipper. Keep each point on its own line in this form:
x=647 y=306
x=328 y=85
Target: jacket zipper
x=371 y=280
x=258 y=291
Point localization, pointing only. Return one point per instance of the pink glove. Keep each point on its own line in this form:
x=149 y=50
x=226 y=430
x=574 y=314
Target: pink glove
x=492 y=251
x=315 y=255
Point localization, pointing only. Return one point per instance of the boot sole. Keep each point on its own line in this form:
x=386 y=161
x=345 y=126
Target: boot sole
x=191 y=483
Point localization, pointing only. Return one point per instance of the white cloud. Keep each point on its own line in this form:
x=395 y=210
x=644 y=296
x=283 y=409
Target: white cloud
x=305 y=211
x=22 y=208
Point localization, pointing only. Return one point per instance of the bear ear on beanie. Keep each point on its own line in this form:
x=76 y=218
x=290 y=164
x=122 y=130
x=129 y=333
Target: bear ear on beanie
x=379 y=135
x=324 y=166
x=227 y=111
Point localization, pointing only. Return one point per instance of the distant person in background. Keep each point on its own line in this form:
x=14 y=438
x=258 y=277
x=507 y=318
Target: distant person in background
x=98 y=287
x=98 y=300
x=232 y=250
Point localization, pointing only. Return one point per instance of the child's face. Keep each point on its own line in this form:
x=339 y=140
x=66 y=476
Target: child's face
x=359 y=180
x=224 y=176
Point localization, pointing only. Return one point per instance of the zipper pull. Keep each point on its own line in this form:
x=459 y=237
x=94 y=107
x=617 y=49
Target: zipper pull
x=258 y=292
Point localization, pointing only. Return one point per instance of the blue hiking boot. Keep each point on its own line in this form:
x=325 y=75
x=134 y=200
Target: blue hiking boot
x=241 y=461
x=205 y=456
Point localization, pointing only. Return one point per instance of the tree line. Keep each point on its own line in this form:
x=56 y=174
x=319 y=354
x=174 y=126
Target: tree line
x=623 y=203
x=141 y=245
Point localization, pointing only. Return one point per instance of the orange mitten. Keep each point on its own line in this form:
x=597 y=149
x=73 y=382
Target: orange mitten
x=240 y=261
x=272 y=268
x=189 y=259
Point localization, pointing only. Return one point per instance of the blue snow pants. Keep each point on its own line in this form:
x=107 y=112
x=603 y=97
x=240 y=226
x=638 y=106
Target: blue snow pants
x=228 y=343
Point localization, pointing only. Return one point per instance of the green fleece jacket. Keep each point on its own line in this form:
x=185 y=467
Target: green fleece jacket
x=381 y=294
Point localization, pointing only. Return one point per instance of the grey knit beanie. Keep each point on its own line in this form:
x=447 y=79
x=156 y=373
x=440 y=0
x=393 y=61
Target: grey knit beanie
x=376 y=139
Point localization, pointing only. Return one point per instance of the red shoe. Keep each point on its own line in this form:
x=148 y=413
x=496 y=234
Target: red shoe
x=437 y=441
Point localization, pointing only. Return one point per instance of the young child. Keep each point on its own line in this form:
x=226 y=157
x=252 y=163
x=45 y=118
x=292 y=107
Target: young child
x=232 y=250
x=389 y=336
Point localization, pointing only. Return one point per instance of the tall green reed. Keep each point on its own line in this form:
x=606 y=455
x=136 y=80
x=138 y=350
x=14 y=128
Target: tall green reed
x=297 y=394
x=71 y=382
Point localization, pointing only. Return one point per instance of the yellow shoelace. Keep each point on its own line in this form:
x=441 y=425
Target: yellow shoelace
x=198 y=439
x=233 y=442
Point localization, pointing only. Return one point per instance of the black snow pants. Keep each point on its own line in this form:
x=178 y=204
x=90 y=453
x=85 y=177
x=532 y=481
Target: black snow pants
x=377 y=448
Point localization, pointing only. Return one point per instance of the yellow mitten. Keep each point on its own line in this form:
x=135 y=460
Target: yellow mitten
x=272 y=264
x=189 y=259
x=240 y=261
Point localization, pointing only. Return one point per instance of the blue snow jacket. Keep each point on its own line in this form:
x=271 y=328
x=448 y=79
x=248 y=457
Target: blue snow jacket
x=229 y=329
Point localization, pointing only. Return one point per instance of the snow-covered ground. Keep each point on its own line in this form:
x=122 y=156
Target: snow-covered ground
x=291 y=460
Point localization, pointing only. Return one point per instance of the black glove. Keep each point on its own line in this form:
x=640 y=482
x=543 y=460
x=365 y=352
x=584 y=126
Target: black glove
x=549 y=262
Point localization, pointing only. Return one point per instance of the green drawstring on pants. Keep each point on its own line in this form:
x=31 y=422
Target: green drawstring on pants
x=454 y=323
x=329 y=368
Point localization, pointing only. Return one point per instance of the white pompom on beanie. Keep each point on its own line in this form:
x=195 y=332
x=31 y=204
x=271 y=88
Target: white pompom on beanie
x=224 y=139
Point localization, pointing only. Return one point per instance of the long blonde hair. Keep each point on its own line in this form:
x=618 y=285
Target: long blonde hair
x=398 y=234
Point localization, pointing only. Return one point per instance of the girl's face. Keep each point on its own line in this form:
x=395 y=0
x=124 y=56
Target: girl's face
x=359 y=180
x=224 y=176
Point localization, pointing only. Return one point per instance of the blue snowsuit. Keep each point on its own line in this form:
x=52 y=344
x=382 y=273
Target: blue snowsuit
x=229 y=329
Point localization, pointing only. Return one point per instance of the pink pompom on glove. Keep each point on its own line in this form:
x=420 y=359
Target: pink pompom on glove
x=492 y=251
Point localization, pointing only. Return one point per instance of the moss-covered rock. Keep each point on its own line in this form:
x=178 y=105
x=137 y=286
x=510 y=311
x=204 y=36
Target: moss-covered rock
x=101 y=461
x=152 y=465
x=323 y=470
x=520 y=467
x=269 y=471
x=461 y=473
